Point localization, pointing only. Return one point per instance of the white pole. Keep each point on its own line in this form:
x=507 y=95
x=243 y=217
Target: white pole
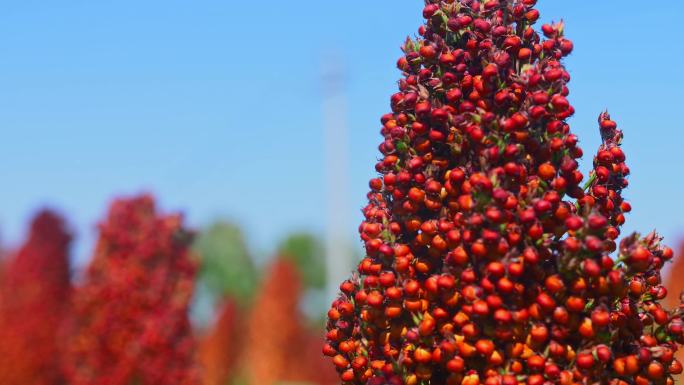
x=337 y=247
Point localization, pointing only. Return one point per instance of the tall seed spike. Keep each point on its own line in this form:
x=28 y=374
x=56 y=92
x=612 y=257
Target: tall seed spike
x=482 y=114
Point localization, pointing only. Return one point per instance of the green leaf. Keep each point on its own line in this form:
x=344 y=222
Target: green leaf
x=308 y=254
x=227 y=268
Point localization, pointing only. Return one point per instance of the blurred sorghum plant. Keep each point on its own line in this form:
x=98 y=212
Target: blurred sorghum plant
x=219 y=349
x=273 y=325
x=130 y=323
x=279 y=348
x=489 y=259
x=34 y=293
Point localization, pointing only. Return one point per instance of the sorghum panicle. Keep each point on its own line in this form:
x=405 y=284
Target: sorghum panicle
x=130 y=323
x=34 y=294
x=279 y=346
x=490 y=260
x=220 y=348
x=273 y=324
x=675 y=285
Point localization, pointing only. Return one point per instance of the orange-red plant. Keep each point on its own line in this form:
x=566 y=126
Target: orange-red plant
x=130 y=323
x=675 y=287
x=675 y=279
x=278 y=346
x=34 y=293
x=220 y=348
x=489 y=259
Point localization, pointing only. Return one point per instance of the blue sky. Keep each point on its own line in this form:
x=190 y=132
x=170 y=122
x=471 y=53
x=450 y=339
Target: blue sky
x=215 y=106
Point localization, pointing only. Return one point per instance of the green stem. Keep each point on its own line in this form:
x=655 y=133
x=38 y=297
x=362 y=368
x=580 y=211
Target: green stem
x=591 y=181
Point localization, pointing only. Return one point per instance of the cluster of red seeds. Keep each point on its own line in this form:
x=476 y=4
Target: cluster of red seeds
x=130 y=323
x=489 y=259
x=34 y=293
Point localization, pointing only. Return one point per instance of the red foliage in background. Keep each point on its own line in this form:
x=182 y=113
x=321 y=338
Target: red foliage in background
x=278 y=346
x=675 y=279
x=33 y=296
x=220 y=348
x=675 y=287
x=130 y=323
x=489 y=259
x=310 y=366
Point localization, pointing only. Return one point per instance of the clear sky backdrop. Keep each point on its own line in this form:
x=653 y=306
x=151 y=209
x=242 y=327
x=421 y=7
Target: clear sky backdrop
x=215 y=105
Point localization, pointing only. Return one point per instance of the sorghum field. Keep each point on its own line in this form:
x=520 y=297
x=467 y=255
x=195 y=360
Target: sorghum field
x=182 y=184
